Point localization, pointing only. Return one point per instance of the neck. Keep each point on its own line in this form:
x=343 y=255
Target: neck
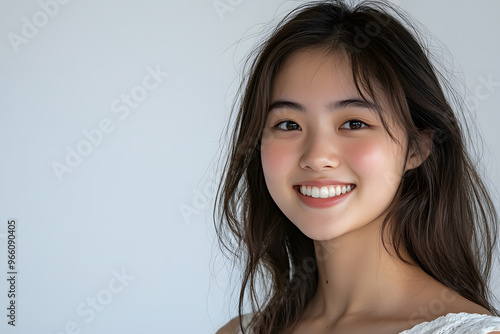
x=358 y=276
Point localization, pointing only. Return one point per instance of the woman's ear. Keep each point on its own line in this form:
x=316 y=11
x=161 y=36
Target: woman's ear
x=418 y=156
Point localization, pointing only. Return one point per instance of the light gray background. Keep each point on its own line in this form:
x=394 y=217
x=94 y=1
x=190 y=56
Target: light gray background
x=120 y=209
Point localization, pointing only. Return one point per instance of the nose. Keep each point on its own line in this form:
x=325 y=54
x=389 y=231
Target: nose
x=320 y=153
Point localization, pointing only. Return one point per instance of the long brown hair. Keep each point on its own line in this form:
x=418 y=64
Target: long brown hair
x=446 y=220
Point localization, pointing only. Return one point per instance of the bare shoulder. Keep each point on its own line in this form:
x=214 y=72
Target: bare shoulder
x=450 y=301
x=232 y=327
x=462 y=304
x=437 y=300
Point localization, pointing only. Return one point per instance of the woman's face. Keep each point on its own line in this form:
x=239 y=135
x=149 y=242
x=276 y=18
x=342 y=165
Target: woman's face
x=321 y=138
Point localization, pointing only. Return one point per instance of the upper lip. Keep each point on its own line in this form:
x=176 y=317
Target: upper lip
x=322 y=183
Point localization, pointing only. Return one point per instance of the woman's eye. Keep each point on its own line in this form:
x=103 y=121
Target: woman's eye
x=288 y=125
x=353 y=124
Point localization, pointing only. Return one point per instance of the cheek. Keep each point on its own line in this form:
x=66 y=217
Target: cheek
x=367 y=157
x=379 y=160
x=276 y=158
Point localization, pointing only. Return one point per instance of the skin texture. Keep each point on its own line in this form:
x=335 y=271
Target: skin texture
x=362 y=288
x=326 y=147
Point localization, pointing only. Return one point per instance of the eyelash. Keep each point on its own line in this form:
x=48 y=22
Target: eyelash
x=363 y=124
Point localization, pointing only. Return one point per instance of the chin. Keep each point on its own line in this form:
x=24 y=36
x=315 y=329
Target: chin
x=320 y=233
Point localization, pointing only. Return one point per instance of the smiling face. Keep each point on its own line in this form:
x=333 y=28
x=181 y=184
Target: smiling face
x=322 y=139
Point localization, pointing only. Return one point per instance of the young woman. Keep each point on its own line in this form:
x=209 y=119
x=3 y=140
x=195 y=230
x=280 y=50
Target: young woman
x=348 y=191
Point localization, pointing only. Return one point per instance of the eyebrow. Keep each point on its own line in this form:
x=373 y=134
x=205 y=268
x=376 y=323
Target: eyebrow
x=354 y=102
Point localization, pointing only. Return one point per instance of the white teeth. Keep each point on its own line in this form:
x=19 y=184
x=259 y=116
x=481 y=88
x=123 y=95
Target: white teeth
x=325 y=191
x=303 y=190
x=331 y=191
x=338 y=191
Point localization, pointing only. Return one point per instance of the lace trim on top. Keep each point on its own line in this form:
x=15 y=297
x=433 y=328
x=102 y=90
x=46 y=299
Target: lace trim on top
x=452 y=323
x=457 y=323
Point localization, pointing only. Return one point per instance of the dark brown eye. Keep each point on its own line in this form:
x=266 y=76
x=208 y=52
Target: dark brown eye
x=288 y=126
x=353 y=124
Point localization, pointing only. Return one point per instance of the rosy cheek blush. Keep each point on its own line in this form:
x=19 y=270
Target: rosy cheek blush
x=366 y=157
x=275 y=159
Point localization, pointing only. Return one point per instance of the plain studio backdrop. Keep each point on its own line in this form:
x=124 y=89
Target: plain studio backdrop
x=110 y=118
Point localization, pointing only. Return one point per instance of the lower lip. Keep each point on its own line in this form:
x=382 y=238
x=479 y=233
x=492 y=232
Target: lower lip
x=322 y=202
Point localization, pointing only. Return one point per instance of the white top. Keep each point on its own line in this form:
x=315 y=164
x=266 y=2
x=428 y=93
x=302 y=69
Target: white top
x=452 y=323
x=457 y=323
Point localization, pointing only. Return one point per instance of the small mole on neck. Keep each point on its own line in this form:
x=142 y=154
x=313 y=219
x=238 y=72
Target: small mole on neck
x=326 y=281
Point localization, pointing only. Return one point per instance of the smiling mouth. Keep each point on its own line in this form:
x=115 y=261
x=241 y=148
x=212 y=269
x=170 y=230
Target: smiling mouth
x=325 y=191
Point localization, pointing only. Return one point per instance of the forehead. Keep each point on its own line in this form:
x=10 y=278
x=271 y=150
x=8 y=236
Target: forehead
x=315 y=70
